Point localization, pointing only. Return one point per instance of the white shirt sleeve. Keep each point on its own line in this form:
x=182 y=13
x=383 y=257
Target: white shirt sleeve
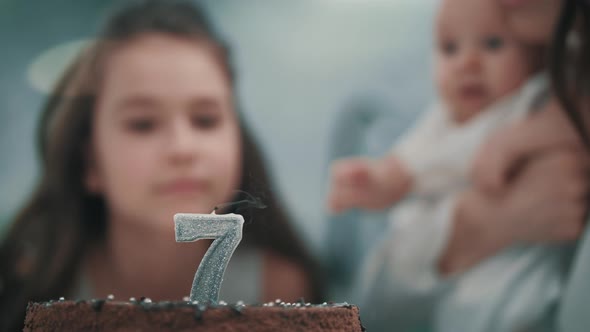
x=399 y=283
x=431 y=153
x=407 y=255
x=421 y=138
x=420 y=230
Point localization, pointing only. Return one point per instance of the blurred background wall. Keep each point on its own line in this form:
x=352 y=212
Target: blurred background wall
x=300 y=64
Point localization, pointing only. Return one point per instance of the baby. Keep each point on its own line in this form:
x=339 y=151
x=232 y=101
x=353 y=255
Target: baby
x=485 y=79
x=478 y=65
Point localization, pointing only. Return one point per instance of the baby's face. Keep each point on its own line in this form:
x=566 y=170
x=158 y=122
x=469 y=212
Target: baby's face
x=478 y=61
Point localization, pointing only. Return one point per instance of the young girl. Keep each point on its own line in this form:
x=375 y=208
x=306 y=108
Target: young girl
x=144 y=125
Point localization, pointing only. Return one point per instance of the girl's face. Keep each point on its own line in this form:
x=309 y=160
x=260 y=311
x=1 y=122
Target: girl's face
x=165 y=137
x=532 y=21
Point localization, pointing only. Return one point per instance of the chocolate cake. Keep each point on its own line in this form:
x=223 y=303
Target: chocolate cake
x=144 y=315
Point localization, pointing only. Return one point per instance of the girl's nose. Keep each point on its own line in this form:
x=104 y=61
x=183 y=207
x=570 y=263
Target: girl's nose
x=181 y=145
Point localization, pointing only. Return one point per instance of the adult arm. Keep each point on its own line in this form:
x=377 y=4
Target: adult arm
x=531 y=186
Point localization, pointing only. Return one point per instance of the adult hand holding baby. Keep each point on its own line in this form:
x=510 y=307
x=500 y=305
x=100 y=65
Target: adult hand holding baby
x=552 y=191
x=530 y=185
x=499 y=157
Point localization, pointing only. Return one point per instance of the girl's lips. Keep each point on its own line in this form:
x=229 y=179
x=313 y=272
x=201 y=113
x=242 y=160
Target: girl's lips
x=182 y=186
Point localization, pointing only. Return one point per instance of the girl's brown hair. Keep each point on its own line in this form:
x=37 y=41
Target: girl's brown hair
x=41 y=255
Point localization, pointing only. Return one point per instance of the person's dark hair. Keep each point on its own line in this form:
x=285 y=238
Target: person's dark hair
x=570 y=63
x=41 y=255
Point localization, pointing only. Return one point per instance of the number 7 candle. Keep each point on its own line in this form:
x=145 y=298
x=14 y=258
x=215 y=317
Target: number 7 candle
x=226 y=232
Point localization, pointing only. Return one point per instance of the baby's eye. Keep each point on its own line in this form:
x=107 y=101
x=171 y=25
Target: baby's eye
x=448 y=47
x=205 y=121
x=141 y=125
x=493 y=43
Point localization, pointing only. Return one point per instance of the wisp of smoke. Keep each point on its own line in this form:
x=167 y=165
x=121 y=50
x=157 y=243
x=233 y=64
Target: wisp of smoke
x=248 y=202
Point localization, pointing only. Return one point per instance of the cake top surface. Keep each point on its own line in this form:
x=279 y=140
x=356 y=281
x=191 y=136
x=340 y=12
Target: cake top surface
x=147 y=303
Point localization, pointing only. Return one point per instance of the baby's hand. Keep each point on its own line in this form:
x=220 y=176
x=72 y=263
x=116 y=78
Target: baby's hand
x=366 y=184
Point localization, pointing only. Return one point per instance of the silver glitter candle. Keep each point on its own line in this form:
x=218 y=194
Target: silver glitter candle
x=226 y=231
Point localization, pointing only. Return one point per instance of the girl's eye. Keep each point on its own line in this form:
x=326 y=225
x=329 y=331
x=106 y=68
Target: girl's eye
x=449 y=48
x=493 y=43
x=206 y=121
x=141 y=126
